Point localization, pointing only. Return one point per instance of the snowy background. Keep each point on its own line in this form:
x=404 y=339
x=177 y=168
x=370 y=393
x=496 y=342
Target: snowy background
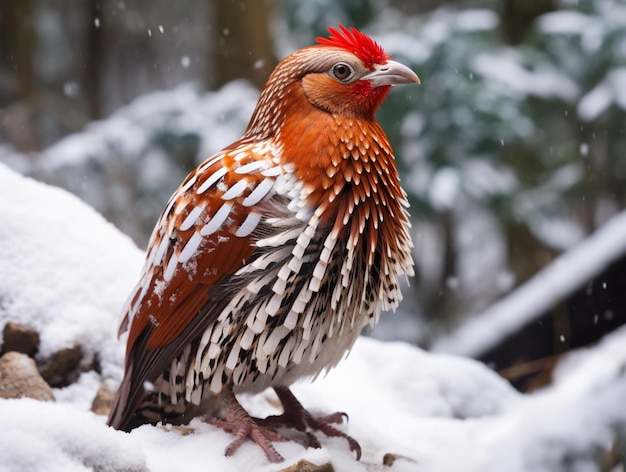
x=512 y=152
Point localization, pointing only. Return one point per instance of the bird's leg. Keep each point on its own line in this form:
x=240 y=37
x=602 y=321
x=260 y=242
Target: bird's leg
x=296 y=416
x=242 y=425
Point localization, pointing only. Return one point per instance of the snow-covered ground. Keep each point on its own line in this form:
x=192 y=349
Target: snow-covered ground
x=65 y=271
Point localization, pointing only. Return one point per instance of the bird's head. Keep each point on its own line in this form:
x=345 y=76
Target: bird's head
x=346 y=74
x=352 y=74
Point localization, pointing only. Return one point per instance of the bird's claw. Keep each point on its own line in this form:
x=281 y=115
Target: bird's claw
x=324 y=425
x=242 y=428
x=339 y=417
x=296 y=416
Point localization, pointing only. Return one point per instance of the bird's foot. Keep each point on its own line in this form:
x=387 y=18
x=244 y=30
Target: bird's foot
x=296 y=416
x=239 y=423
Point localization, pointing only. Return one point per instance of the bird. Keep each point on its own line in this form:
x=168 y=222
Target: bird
x=273 y=254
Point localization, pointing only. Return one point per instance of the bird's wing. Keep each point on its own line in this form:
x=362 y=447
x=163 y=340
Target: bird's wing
x=205 y=234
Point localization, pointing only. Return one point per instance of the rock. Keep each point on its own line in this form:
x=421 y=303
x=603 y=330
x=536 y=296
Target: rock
x=306 y=466
x=62 y=367
x=20 y=338
x=390 y=459
x=103 y=401
x=20 y=378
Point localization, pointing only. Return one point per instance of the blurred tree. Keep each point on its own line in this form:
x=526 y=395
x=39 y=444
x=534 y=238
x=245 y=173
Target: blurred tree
x=17 y=41
x=63 y=63
x=46 y=68
x=517 y=17
x=18 y=82
x=242 y=42
x=94 y=55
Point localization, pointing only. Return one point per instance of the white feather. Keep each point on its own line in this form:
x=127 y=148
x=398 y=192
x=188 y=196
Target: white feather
x=246 y=339
x=233 y=357
x=158 y=257
x=216 y=381
x=274 y=305
x=217 y=221
x=291 y=320
x=272 y=171
x=190 y=248
x=274 y=338
x=188 y=185
x=191 y=218
x=251 y=167
x=285 y=354
x=171 y=268
x=261 y=190
x=236 y=190
x=249 y=223
x=209 y=162
x=212 y=179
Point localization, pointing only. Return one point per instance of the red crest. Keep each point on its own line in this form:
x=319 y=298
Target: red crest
x=358 y=43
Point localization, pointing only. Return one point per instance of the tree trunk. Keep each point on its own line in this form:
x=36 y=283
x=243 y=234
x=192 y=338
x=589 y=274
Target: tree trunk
x=243 y=46
x=517 y=16
x=94 y=58
x=17 y=44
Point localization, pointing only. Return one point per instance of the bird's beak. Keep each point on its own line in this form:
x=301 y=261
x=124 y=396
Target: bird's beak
x=391 y=73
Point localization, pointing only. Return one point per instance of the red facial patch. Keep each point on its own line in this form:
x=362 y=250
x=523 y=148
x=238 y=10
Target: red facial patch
x=359 y=44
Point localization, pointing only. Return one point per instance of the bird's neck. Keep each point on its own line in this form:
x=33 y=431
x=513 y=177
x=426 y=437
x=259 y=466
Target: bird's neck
x=337 y=157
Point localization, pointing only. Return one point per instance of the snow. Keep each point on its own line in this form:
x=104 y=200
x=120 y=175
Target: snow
x=594 y=103
x=504 y=67
x=64 y=268
x=565 y=22
x=591 y=29
x=476 y=20
x=557 y=232
x=444 y=189
x=67 y=271
x=443 y=21
x=576 y=412
x=218 y=117
x=57 y=437
x=611 y=90
x=569 y=271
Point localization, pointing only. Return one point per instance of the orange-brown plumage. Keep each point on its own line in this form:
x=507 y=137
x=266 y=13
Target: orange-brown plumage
x=274 y=253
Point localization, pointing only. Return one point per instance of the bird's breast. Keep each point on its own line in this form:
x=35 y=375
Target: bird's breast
x=340 y=158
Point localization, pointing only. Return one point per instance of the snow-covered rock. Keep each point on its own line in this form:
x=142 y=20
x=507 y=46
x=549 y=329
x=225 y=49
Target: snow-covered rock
x=19 y=378
x=64 y=270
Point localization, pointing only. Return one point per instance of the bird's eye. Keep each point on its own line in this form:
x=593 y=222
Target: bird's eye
x=342 y=71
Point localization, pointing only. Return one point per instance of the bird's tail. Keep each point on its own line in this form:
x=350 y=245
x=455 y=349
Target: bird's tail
x=124 y=415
